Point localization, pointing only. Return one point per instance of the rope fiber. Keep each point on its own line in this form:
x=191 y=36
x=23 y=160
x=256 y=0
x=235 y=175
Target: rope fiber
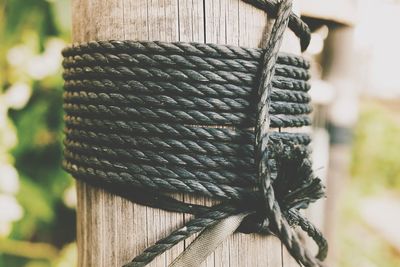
x=148 y=118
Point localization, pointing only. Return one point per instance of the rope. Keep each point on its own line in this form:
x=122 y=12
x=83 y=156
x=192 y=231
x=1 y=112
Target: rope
x=273 y=210
x=144 y=119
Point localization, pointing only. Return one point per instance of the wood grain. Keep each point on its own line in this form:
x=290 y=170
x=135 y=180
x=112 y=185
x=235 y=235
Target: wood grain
x=112 y=230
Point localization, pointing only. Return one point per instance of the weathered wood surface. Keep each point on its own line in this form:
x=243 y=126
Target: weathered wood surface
x=112 y=230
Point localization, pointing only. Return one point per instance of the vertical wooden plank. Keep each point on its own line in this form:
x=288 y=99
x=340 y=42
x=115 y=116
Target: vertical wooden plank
x=132 y=219
x=251 y=23
x=163 y=25
x=215 y=32
x=191 y=29
x=80 y=227
x=191 y=21
x=98 y=216
x=232 y=22
x=135 y=15
x=225 y=32
x=111 y=229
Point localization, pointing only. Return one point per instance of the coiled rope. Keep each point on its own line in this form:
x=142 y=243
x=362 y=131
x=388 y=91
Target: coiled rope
x=148 y=118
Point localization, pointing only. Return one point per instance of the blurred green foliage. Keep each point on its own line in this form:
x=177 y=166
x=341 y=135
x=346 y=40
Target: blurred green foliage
x=359 y=244
x=32 y=33
x=374 y=172
x=375 y=160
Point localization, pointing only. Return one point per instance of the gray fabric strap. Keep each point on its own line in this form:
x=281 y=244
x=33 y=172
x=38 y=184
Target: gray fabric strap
x=208 y=241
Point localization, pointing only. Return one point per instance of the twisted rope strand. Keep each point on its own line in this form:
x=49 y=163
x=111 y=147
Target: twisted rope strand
x=94 y=168
x=172 y=74
x=174 y=172
x=282 y=228
x=297 y=219
x=168 y=144
x=178 y=131
x=285 y=61
x=179 y=48
x=163 y=158
x=181 y=116
x=181 y=88
x=193 y=103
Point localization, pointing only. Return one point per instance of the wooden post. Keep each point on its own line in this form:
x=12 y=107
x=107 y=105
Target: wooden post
x=112 y=230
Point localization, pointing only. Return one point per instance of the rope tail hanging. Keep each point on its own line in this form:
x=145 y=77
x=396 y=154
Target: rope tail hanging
x=140 y=122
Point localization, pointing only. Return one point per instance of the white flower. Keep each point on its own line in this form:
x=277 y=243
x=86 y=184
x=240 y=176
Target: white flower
x=10 y=209
x=70 y=197
x=48 y=63
x=37 y=67
x=9 y=182
x=5 y=228
x=54 y=47
x=3 y=112
x=18 y=55
x=17 y=96
x=8 y=136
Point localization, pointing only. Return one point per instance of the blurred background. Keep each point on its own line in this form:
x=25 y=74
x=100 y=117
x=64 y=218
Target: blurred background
x=356 y=93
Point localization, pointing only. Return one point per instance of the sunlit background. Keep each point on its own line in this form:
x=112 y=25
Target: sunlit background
x=356 y=94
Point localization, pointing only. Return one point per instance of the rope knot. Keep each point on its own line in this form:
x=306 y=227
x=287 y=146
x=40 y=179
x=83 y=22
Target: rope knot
x=293 y=182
